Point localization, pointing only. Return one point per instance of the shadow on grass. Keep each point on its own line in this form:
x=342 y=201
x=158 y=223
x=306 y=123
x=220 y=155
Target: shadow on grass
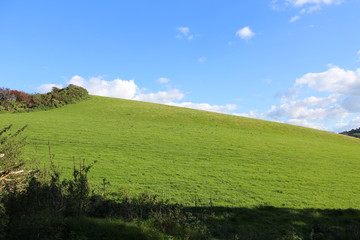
x=174 y=222
x=279 y=223
x=44 y=226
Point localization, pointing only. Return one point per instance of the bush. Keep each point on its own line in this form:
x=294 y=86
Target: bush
x=12 y=173
x=17 y=101
x=47 y=207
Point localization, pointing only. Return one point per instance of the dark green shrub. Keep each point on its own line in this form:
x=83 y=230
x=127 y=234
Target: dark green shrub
x=6 y=98
x=70 y=94
x=37 y=226
x=41 y=206
x=17 y=101
x=12 y=173
x=177 y=222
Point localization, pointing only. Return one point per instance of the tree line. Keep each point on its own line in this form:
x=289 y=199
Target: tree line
x=352 y=133
x=18 y=101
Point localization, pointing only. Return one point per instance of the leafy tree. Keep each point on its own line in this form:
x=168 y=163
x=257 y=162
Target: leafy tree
x=21 y=97
x=6 y=98
x=12 y=173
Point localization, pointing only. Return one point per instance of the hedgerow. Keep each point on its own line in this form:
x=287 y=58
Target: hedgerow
x=18 y=101
x=41 y=205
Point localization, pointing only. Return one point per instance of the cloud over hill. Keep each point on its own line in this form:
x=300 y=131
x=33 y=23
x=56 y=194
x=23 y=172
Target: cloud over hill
x=128 y=89
x=338 y=103
x=326 y=100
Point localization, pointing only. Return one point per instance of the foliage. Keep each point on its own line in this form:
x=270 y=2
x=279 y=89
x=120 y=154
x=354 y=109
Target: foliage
x=42 y=212
x=6 y=98
x=17 y=101
x=12 y=173
x=352 y=133
x=46 y=209
x=50 y=207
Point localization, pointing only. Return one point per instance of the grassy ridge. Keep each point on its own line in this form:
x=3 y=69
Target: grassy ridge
x=198 y=157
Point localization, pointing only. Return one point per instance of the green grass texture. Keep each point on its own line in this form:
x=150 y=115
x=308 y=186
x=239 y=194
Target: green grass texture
x=196 y=157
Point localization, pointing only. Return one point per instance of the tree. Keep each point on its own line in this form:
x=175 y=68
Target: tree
x=352 y=133
x=6 y=98
x=12 y=173
x=21 y=97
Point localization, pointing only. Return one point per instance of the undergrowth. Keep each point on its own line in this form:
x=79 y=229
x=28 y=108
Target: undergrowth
x=18 y=101
x=52 y=208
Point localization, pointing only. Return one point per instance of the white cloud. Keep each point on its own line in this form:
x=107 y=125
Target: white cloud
x=305 y=123
x=333 y=80
x=163 y=80
x=202 y=59
x=245 y=33
x=317 y=101
x=251 y=114
x=334 y=102
x=301 y=3
x=289 y=95
x=303 y=6
x=164 y=97
x=207 y=107
x=341 y=101
x=97 y=86
x=184 y=32
x=128 y=89
x=346 y=126
x=351 y=104
x=312 y=108
x=47 y=87
x=294 y=19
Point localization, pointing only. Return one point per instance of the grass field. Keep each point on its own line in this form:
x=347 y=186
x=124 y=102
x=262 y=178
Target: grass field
x=196 y=157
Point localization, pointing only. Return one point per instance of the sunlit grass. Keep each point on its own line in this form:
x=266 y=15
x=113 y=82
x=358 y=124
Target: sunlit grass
x=196 y=157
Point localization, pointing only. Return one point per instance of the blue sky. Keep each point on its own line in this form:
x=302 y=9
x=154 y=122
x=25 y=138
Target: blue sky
x=293 y=61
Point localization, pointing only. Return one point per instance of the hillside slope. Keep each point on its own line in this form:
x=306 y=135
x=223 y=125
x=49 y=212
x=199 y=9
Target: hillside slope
x=192 y=156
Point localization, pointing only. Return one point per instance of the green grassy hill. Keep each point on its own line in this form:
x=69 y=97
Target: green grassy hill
x=192 y=156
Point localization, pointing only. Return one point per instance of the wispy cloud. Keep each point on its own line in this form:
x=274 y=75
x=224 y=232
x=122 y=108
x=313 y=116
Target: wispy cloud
x=184 y=32
x=207 y=107
x=294 y=19
x=348 y=125
x=163 y=80
x=303 y=6
x=268 y=80
x=202 y=59
x=245 y=33
x=302 y=3
x=289 y=95
x=164 y=97
x=47 y=87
